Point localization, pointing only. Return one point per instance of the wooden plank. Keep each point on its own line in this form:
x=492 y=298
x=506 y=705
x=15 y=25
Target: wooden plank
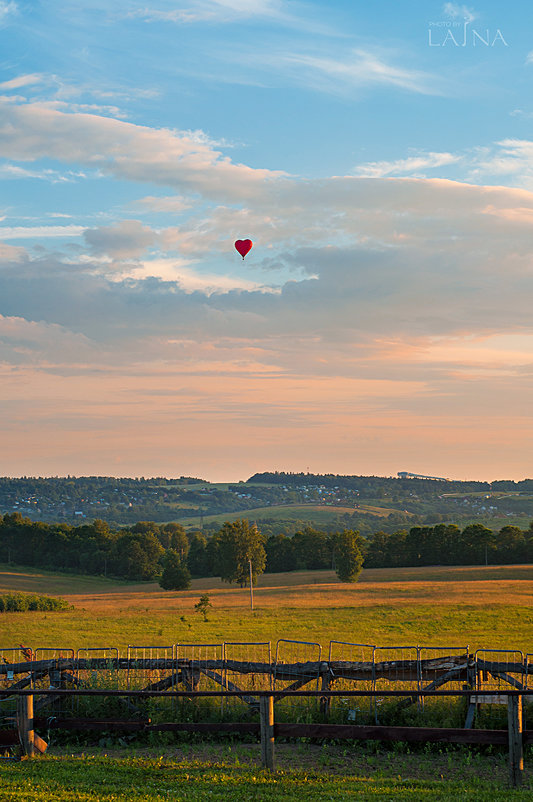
x=294 y=686
x=25 y=724
x=89 y=724
x=516 y=748
x=383 y=733
x=20 y=685
x=266 y=707
x=471 y=712
x=251 y=727
x=146 y=726
x=165 y=683
x=405 y=670
x=510 y=680
x=230 y=686
x=351 y=731
x=40 y=745
x=493 y=666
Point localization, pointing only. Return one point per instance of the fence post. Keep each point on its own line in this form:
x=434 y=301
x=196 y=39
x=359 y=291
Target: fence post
x=266 y=707
x=325 y=700
x=516 y=750
x=25 y=724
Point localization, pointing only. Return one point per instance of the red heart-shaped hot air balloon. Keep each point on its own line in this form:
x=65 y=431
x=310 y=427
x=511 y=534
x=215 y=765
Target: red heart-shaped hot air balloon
x=243 y=246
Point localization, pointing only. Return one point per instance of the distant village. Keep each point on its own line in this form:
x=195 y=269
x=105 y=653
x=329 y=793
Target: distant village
x=369 y=500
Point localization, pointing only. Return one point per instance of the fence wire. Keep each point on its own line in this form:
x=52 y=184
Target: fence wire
x=296 y=666
x=443 y=667
x=351 y=667
x=499 y=668
x=254 y=666
x=255 y=663
x=56 y=677
x=200 y=667
x=8 y=704
x=395 y=668
x=142 y=673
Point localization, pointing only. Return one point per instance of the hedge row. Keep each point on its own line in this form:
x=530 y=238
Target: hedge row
x=21 y=602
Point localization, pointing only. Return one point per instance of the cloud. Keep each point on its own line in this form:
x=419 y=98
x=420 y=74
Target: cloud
x=411 y=165
x=31 y=342
x=509 y=158
x=183 y=160
x=15 y=171
x=512 y=158
x=172 y=203
x=11 y=253
x=455 y=11
x=34 y=232
x=217 y=11
x=178 y=274
x=355 y=69
x=7 y=9
x=22 y=80
x=124 y=240
x=372 y=258
x=395 y=302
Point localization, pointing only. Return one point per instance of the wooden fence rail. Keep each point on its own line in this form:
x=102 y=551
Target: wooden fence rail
x=515 y=736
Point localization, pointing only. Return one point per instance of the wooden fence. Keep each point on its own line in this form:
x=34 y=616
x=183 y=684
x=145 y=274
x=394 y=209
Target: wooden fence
x=515 y=737
x=38 y=680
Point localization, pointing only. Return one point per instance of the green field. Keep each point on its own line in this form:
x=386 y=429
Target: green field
x=489 y=607
x=483 y=607
x=325 y=773
x=314 y=514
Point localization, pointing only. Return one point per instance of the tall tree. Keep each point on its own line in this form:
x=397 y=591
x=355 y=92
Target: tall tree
x=237 y=543
x=197 y=558
x=176 y=575
x=348 y=556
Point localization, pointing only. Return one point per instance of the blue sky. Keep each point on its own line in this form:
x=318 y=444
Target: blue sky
x=379 y=155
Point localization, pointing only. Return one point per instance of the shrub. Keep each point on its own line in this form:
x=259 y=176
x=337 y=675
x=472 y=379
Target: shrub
x=22 y=602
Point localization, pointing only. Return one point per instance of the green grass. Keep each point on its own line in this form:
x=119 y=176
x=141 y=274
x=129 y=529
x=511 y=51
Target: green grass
x=314 y=514
x=439 y=606
x=235 y=777
x=494 y=522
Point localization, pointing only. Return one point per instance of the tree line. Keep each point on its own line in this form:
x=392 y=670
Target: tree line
x=447 y=544
x=147 y=550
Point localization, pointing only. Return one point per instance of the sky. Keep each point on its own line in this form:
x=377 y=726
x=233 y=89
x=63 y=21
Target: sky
x=380 y=157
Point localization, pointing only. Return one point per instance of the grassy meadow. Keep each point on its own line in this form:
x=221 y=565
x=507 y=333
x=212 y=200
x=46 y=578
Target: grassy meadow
x=314 y=514
x=324 y=773
x=483 y=607
x=441 y=606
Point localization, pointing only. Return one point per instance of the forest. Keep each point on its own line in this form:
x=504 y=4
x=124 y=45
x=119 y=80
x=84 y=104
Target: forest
x=143 y=550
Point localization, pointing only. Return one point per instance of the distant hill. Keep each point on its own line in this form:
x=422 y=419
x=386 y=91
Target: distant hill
x=363 y=502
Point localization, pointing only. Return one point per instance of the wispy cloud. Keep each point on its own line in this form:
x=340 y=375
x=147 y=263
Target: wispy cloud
x=15 y=171
x=22 y=80
x=171 y=204
x=7 y=9
x=456 y=11
x=411 y=165
x=357 y=69
x=509 y=161
x=213 y=11
x=510 y=158
x=32 y=232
